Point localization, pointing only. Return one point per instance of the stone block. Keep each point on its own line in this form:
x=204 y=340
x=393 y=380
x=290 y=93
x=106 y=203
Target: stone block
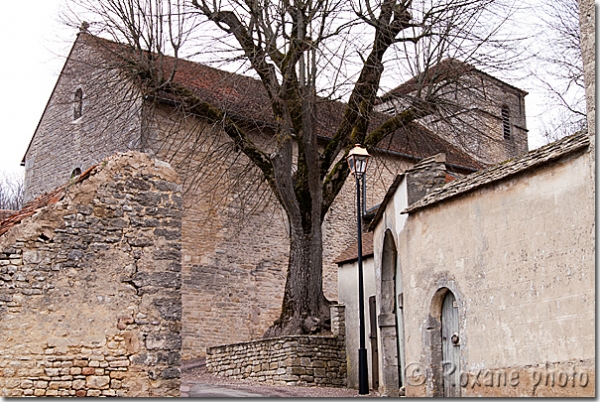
x=298 y=370
x=80 y=363
x=40 y=384
x=118 y=375
x=78 y=384
x=119 y=363
x=307 y=378
x=97 y=382
x=26 y=384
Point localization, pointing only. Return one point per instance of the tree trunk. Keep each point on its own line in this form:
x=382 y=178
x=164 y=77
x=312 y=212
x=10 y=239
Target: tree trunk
x=305 y=310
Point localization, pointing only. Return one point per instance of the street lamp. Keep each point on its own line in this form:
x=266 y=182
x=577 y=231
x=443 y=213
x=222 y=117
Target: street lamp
x=358 y=159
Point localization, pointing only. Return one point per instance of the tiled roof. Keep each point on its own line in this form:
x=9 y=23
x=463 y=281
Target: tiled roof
x=503 y=170
x=246 y=97
x=31 y=208
x=36 y=204
x=351 y=253
x=447 y=69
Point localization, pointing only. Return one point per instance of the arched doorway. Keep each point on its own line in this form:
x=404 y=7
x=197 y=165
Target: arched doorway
x=450 y=346
x=445 y=344
x=389 y=320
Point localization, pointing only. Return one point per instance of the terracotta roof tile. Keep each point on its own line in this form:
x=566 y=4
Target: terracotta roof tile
x=246 y=97
x=31 y=208
x=49 y=198
x=351 y=253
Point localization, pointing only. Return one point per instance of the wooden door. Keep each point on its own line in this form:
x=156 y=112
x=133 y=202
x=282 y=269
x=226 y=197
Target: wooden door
x=450 y=347
x=373 y=339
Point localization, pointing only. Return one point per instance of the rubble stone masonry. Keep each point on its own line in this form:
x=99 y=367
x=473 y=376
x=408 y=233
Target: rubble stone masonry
x=90 y=301
x=309 y=360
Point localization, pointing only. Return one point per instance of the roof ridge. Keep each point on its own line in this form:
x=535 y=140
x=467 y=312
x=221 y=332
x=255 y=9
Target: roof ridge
x=460 y=157
x=406 y=87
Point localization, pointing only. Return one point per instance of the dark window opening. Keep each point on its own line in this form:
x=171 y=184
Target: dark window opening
x=506 y=122
x=78 y=104
x=76 y=172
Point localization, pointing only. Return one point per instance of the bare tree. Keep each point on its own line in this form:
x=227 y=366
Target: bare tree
x=560 y=67
x=11 y=192
x=307 y=55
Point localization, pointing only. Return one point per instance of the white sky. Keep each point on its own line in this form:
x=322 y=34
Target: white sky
x=35 y=44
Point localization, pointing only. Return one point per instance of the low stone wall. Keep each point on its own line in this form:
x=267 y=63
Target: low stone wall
x=90 y=286
x=310 y=360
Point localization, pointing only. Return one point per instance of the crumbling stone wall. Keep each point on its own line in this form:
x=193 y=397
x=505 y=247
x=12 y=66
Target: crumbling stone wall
x=309 y=360
x=90 y=299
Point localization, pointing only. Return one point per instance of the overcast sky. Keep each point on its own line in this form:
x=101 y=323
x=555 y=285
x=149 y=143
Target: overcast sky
x=35 y=45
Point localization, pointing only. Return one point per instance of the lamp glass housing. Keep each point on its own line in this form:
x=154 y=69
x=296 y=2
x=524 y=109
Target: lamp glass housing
x=358 y=158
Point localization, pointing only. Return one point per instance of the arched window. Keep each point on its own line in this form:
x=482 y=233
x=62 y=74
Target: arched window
x=506 y=122
x=78 y=104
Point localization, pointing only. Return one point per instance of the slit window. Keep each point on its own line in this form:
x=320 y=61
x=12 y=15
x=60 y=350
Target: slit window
x=506 y=122
x=78 y=104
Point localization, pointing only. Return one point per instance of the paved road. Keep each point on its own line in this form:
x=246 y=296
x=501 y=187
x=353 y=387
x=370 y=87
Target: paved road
x=218 y=391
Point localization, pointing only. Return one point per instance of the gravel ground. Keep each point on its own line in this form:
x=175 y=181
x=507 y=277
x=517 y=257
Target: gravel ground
x=196 y=382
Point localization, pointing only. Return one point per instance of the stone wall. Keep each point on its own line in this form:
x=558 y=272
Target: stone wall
x=236 y=277
x=518 y=254
x=478 y=127
x=109 y=121
x=309 y=360
x=90 y=286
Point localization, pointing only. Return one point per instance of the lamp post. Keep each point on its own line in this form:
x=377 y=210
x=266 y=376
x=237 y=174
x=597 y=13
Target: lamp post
x=357 y=159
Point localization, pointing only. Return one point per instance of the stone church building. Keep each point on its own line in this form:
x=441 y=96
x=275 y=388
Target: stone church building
x=234 y=248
